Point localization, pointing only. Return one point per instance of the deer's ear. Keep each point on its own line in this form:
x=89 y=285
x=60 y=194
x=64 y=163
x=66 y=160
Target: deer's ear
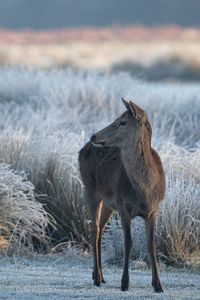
x=126 y=104
x=133 y=110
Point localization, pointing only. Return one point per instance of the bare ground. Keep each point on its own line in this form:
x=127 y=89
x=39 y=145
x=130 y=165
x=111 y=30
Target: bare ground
x=69 y=277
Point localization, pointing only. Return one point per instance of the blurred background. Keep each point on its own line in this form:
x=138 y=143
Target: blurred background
x=152 y=40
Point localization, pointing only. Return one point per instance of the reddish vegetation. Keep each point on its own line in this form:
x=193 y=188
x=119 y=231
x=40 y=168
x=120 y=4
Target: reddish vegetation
x=90 y=34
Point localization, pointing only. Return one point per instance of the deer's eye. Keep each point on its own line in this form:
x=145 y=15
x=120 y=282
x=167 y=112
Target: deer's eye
x=122 y=123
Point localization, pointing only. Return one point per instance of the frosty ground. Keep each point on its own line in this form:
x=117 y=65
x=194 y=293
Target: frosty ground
x=68 y=277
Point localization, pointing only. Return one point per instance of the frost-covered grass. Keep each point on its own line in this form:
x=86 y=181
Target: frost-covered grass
x=178 y=231
x=23 y=220
x=47 y=116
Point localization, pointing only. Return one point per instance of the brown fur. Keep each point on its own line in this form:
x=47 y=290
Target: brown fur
x=122 y=172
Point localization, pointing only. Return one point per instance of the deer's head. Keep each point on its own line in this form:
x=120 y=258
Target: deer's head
x=131 y=126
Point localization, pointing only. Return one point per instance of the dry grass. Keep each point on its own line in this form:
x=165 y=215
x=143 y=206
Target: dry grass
x=55 y=176
x=178 y=230
x=23 y=220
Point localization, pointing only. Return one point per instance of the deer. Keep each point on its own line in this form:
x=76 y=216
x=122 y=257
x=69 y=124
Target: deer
x=122 y=172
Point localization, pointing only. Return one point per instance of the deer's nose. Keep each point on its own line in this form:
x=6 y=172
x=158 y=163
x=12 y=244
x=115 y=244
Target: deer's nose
x=92 y=139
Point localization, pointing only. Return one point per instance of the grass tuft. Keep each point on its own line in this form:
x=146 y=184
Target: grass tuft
x=23 y=220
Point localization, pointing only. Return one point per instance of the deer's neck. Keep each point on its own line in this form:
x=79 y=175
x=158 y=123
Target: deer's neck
x=138 y=163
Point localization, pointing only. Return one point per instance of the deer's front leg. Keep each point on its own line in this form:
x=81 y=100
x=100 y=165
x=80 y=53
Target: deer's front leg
x=150 y=232
x=95 y=212
x=95 y=206
x=126 y=224
x=106 y=214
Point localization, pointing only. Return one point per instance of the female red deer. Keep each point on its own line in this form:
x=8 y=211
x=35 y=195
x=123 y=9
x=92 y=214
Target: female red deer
x=122 y=172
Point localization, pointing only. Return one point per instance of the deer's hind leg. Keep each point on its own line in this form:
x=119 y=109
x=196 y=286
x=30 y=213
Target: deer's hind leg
x=126 y=224
x=106 y=214
x=95 y=206
x=150 y=232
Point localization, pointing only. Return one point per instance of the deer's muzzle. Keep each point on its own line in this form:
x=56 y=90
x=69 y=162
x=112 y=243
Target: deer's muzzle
x=97 y=143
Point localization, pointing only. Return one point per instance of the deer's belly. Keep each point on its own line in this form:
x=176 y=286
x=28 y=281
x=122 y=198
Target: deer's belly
x=137 y=207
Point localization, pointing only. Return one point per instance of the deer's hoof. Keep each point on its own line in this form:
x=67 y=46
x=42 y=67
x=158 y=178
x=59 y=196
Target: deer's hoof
x=125 y=282
x=124 y=289
x=124 y=285
x=158 y=288
x=97 y=283
x=97 y=279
